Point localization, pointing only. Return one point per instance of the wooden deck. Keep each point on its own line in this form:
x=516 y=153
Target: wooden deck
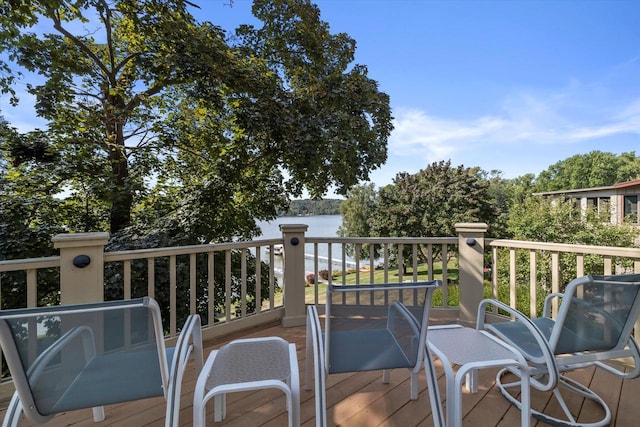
x=359 y=400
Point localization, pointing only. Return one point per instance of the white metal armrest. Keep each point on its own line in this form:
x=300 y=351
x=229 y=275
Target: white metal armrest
x=547 y=355
x=315 y=344
x=404 y=315
x=546 y=309
x=189 y=341
x=25 y=399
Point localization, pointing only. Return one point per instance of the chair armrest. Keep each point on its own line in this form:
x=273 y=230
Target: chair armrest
x=403 y=314
x=88 y=345
x=315 y=345
x=23 y=382
x=530 y=330
x=189 y=341
x=546 y=309
x=398 y=315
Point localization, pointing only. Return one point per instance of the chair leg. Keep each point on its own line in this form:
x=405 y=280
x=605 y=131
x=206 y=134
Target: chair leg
x=414 y=386
x=386 y=375
x=434 y=392
x=14 y=411
x=309 y=356
x=98 y=414
x=294 y=387
x=471 y=381
x=566 y=383
x=219 y=407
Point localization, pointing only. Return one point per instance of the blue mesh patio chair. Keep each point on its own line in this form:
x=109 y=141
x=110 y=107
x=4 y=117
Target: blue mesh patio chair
x=594 y=325
x=371 y=327
x=69 y=357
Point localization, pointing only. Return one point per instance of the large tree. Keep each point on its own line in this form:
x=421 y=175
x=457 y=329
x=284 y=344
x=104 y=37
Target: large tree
x=426 y=204
x=431 y=201
x=173 y=125
x=594 y=169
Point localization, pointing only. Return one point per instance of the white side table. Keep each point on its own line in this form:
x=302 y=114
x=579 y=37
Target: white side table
x=473 y=349
x=248 y=364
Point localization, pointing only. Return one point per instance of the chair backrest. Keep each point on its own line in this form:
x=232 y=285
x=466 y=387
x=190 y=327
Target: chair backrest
x=80 y=356
x=597 y=313
x=361 y=318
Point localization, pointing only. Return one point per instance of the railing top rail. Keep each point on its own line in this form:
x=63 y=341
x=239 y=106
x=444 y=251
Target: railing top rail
x=566 y=247
x=28 y=264
x=369 y=240
x=186 y=250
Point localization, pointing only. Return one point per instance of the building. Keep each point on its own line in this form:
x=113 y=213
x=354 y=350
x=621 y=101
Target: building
x=621 y=200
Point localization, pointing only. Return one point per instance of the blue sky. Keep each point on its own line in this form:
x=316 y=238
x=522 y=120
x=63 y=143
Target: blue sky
x=514 y=86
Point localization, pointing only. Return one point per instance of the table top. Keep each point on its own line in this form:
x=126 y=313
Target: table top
x=464 y=345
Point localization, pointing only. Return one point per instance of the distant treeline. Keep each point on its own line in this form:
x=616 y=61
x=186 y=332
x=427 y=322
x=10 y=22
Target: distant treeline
x=313 y=207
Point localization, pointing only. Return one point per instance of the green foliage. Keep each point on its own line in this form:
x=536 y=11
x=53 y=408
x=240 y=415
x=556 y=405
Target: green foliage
x=164 y=129
x=541 y=220
x=357 y=211
x=432 y=201
x=594 y=169
x=426 y=204
x=230 y=128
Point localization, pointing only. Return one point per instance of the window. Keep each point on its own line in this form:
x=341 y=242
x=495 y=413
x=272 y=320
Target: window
x=631 y=208
x=604 y=204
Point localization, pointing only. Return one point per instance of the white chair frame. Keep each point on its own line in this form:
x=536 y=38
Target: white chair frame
x=189 y=345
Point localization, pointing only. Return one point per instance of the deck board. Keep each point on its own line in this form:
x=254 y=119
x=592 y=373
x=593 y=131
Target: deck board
x=357 y=399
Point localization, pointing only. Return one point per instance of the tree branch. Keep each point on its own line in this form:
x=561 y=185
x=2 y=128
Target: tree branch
x=57 y=24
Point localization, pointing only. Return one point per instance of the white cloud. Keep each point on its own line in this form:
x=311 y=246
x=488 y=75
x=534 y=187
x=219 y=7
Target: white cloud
x=565 y=117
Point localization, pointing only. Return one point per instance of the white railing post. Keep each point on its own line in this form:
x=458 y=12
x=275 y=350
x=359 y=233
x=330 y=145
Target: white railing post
x=293 y=266
x=471 y=269
x=81 y=266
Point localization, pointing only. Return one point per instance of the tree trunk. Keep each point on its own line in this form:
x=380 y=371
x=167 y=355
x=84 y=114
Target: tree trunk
x=122 y=199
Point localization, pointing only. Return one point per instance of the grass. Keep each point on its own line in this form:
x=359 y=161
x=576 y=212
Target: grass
x=392 y=276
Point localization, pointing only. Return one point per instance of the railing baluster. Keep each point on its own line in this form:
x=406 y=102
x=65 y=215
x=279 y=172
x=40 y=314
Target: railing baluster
x=579 y=265
x=356 y=257
x=227 y=285
x=445 y=268
x=512 y=278
x=608 y=262
x=555 y=280
x=533 y=284
x=272 y=279
x=127 y=278
x=386 y=262
x=192 y=283
x=258 y=296
x=243 y=283
x=211 y=291
x=173 y=306
x=400 y=262
x=414 y=253
x=151 y=277
x=32 y=287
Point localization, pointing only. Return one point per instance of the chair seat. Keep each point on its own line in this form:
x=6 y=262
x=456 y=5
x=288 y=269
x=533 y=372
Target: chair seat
x=121 y=377
x=365 y=350
x=570 y=342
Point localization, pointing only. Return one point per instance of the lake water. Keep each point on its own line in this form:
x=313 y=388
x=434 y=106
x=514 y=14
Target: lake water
x=319 y=226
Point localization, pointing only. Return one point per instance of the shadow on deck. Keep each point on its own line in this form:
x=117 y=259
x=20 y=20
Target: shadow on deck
x=359 y=399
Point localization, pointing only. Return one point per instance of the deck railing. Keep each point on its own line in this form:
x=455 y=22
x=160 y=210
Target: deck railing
x=219 y=280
